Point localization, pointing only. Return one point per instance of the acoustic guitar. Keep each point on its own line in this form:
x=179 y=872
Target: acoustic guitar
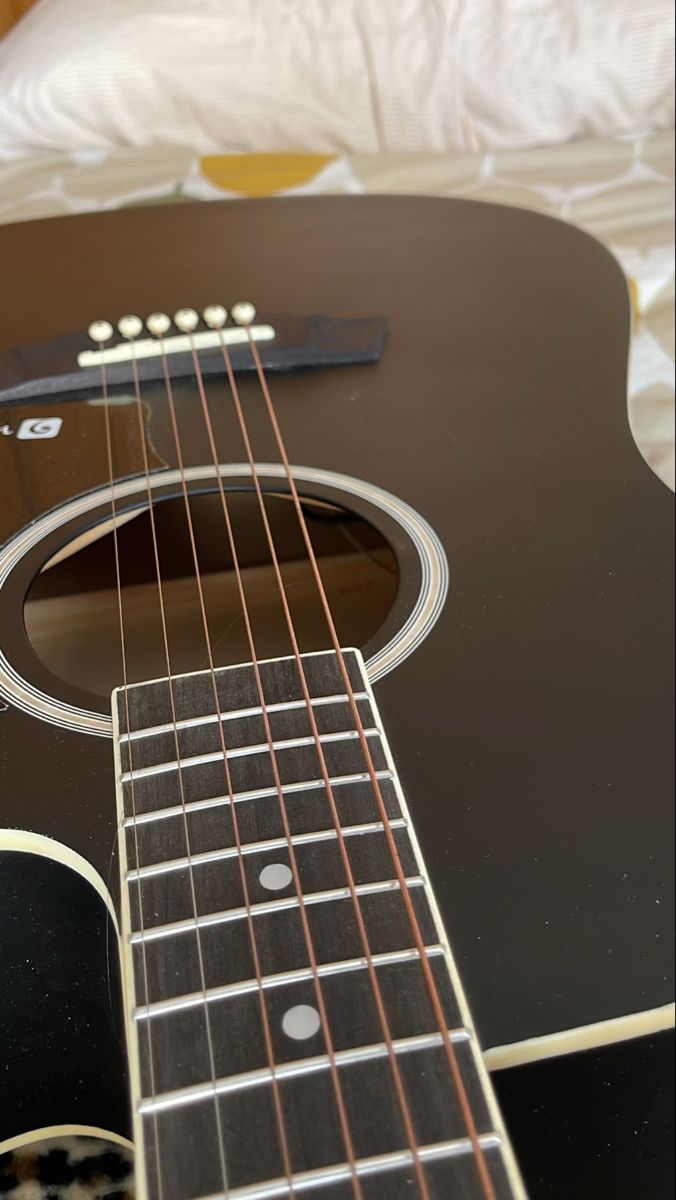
x=336 y=619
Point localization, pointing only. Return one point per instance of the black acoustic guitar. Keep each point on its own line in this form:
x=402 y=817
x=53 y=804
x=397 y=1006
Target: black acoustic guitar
x=380 y=587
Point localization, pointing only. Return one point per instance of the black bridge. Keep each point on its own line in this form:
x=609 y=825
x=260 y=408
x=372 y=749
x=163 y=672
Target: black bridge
x=50 y=369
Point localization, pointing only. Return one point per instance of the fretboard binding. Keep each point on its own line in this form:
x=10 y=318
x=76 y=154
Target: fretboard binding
x=291 y=1070
x=190 y=924
x=279 y=843
x=271 y=1189
x=288 y=789
x=200 y=760
x=160 y=1008
x=236 y=714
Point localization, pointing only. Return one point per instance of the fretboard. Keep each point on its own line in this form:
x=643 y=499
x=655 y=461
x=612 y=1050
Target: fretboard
x=284 y=1009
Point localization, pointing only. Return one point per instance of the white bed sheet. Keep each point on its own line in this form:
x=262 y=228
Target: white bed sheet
x=327 y=76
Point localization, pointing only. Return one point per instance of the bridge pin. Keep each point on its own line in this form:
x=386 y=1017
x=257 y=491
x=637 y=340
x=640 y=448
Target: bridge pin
x=186 y=319
x=158 y=323
x=130 y=326
x=100 y=331
x=243 y=313
x=215 y=316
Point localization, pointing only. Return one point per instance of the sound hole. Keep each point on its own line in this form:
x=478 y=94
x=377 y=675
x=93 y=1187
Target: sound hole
x=71 y=610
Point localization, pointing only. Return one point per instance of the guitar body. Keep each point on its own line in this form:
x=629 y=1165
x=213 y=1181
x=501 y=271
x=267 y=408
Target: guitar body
x=529 y=713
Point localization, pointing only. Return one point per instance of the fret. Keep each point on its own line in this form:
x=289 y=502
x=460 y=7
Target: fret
x=248 y=1119
x=255 y=794
x=193 y=999
x=166 y=969
x=449 y=1171
x=352 y=1016
x=216 y=756
x=202 y=1064
x=236 y=689
x=324 y=1177
x=215 y=885
x=205 y=920
x=302 y=1066
x=208 y=780
x=256 y=711
x=245 y=729
x=224 y=853
x=210 y=827
x=448 y=1168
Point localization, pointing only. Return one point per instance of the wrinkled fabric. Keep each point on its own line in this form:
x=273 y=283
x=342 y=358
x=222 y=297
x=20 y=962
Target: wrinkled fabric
x=354 y=76
x=541 y=71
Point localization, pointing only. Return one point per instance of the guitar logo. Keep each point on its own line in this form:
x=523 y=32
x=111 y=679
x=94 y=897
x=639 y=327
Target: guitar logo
x=32 y=428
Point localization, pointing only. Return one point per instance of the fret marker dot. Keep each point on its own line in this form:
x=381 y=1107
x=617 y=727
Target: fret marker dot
x=275 y=876
x=301 y=1022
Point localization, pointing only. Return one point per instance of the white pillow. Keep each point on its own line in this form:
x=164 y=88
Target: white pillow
x=543 y=71
x=333 y=75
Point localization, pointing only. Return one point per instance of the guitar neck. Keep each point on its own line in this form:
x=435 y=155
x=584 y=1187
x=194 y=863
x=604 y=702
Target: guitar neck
x=296 y=1023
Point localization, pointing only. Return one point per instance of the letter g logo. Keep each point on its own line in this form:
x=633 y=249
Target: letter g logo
x=31 y=429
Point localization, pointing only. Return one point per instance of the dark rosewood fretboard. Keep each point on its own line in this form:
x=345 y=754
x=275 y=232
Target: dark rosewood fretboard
x=206 y=1083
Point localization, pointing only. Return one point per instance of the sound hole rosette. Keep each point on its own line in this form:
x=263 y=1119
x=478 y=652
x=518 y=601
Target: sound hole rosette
x=47 y=533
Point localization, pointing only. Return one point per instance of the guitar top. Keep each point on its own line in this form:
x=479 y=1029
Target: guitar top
x=449 y=381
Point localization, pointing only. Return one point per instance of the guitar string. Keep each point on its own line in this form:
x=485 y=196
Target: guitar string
x=325 y=604
x=165 y=641
x=347 y=866
x=307 y=933
x=451 y=1056
x=123 y=649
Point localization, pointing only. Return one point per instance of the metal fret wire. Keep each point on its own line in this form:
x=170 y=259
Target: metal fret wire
x=309 y=785
x=118 y=580
x=387 y=957
x=236 y=714
x=198 y=760
x=461 y=1092
x=165 y=641
x=153 y=932
x=307 y=933
x=276 y=1189
x=193 y=1093
x=165 y=866
x=373 y=978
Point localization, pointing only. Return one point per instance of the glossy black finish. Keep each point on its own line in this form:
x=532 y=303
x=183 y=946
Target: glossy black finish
x=62 y=1046
x=597 y=1125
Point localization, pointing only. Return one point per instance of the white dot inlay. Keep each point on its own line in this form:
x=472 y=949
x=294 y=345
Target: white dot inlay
x=301 y=1022
x=275 y=876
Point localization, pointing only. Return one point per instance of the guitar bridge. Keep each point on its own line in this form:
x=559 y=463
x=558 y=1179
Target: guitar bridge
x=286 y=343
